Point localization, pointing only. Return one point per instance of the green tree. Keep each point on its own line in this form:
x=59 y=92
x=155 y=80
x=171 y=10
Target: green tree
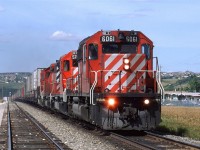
x=194 y=83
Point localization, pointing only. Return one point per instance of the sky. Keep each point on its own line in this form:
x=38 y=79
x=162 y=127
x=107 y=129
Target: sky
x=35 y=33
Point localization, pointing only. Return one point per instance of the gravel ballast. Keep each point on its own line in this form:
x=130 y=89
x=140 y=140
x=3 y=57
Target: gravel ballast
x=78 y=138
x=73 y=135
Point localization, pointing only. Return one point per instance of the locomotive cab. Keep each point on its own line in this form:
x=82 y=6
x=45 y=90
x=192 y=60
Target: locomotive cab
x=118 y=58
x=65 y=82
x=46 y=87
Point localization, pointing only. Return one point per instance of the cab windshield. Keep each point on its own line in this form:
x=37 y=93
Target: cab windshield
x=119 y=48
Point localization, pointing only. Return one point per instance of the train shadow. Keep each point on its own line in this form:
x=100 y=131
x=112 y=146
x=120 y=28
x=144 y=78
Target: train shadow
x=130 y=133
x=180 y=131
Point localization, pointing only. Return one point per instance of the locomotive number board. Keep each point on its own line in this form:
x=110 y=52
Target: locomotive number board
x=74 y=55
x=111 y=38
x=133 y=39
x=108 y=38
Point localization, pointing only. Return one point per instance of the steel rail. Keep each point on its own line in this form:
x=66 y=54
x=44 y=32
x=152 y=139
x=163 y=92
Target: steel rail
x=9 y=136
x=172 y=140
x=41 y=129
x=132 y=142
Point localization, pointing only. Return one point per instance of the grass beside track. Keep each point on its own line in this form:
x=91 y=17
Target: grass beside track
x=183 y=121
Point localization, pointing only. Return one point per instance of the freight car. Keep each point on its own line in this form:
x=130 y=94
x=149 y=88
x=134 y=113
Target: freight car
x=31 y=89
x=112 y=81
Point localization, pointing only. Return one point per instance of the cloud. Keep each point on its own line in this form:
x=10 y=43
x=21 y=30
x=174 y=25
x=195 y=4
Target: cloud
x=137 y=13
x=4 y=38
x=1 y=8
x=62 y=36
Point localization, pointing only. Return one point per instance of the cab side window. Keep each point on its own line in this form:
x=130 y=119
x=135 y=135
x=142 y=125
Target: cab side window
x=52 y=69
x=47 y=74
x=42 y=76
x=66 y=65
x=146 y=50
x=93 y=51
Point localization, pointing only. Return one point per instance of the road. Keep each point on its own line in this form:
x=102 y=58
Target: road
x=2 y=107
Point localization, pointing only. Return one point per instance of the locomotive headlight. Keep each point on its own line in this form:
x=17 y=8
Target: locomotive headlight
x=126 y=61
x=146 y=101
x=111 y=101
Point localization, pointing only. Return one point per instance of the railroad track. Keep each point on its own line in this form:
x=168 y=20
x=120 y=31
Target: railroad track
x=24 y=132
x=153 y=142
x=145 y=141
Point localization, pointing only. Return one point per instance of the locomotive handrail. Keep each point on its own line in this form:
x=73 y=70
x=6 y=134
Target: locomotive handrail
x=95 y=83
x=147 y=71
x=160 y=84
x=156 y=58
x=92 y=88
x=158 y=78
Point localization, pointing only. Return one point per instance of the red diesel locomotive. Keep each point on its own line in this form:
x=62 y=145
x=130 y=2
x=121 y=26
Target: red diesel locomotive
x=109 y=81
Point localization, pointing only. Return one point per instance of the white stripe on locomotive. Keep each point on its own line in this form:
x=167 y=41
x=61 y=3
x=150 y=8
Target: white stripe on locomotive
x=58 y=77
x=130 y=78
x=75 y=75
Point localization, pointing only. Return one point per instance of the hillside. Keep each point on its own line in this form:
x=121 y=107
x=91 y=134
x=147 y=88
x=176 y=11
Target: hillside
x=185 y=81
x=181 y=81
x=11 y=82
